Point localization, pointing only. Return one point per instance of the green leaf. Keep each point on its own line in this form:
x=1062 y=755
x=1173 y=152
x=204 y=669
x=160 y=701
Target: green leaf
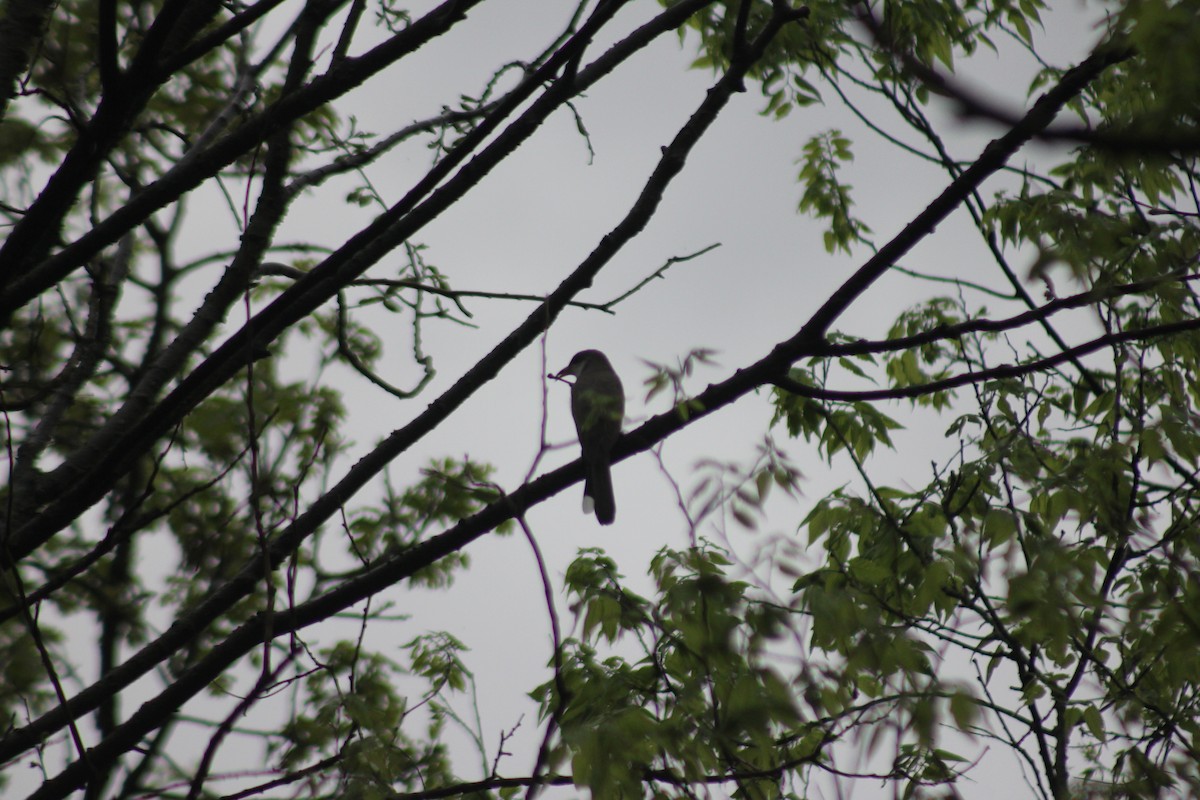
x=868 y=572
x=1094 y=723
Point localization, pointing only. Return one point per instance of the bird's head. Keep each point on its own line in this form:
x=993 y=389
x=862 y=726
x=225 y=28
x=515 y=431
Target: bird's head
x=583 y=362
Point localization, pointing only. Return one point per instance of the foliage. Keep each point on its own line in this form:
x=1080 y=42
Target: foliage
x=177 y=492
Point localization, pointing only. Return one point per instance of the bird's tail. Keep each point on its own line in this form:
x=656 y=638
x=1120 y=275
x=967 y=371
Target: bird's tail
x=598 y=493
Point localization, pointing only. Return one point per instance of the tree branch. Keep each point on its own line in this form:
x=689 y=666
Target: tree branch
x=26 y=280
x=985 y=325
x=992 y=373
x=992 y=159
x=21 y=31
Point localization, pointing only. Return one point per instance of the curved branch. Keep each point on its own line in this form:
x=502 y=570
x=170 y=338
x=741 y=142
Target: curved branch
x=984 y=325
x=992 y=373
x=346 y=349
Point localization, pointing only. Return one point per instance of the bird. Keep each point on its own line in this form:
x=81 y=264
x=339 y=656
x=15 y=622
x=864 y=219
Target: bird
x=598 y=406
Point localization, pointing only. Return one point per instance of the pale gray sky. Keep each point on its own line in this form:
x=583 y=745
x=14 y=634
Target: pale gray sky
x=528 y=224
x=531 y=222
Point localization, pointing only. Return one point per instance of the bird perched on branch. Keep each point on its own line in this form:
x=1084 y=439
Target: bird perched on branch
x=598 y=406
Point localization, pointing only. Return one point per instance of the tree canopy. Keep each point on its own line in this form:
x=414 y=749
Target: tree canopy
x=210 y=268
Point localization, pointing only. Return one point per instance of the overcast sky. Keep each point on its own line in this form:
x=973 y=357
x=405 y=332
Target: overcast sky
x=537 y=216
x=531 y=222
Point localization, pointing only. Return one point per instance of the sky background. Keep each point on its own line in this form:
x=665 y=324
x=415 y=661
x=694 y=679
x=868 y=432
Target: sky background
x=542 y=211
x=536 y=217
